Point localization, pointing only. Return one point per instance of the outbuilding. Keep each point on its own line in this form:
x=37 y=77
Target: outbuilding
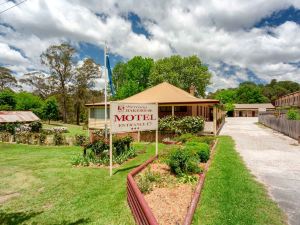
x=251 y=110
x=17 y=117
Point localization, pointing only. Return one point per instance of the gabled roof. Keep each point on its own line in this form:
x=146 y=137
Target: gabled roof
x=254 y=106
x=163 y=93
x=17 y=116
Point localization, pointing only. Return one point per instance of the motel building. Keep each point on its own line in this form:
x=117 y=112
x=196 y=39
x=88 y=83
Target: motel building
x=171 y=100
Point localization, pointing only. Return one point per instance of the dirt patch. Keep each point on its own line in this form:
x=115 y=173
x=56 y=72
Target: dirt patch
x=160 y=167
x=170 y=205
x=6 y=197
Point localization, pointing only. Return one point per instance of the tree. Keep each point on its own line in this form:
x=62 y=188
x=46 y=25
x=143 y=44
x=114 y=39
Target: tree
x=83 y=81
x=226 y=95
x=50 y=109
x=7 y=100
x=182 y=72
x=41 y=83
x=58 y=58
x=7 y=80
x=249 y=92
x=28 y=101
x=132 y=77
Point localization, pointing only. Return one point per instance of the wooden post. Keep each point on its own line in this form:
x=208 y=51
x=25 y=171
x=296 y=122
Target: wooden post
x=215 y=120
x=139 y=136
x=110 y=153
x=173 y=111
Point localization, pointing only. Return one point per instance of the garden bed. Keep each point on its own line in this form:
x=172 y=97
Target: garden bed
x=171 y=194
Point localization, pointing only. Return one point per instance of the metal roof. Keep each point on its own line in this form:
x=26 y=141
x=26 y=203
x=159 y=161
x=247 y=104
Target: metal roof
x=163 y=93
x=17 y=116
x=254 y=106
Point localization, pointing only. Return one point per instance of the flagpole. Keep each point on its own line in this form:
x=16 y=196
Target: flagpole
x=105 y=92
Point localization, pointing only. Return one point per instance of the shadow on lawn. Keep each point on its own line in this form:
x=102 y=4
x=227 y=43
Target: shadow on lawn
x=79 y=221
x=125 y=169
x=9 y=218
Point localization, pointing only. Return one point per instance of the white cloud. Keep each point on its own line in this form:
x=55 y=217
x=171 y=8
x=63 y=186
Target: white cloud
x=214 y=30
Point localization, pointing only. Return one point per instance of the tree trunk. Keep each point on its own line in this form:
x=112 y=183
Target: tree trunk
x=49 y=122
x=77 y=113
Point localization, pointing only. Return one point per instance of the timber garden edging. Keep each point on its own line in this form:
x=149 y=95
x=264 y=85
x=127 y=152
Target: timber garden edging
x=142 y=212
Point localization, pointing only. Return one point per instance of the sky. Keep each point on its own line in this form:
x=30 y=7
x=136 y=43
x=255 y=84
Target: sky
x=239 y=40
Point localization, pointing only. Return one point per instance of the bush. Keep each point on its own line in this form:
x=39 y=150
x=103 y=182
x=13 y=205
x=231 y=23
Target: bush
x=293 y=114
x=183 y=162
x=187 y=124
x=185 y=137
x=146 y=180
x=9 y=127
x=42 y=138
x=80 y=140
x=4 y=136
x=35 y=126
x=58 y=138
x=201 y=149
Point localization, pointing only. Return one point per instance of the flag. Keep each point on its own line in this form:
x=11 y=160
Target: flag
x=112 y=89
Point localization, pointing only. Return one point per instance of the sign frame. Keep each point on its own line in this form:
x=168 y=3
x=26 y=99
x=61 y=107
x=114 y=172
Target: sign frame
x=111 y=117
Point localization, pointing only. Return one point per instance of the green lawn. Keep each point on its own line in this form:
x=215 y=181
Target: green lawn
x=231 y=195
x=72 y=128
x=51 y=191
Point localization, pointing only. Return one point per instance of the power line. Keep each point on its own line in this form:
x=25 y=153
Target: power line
x=12 y=6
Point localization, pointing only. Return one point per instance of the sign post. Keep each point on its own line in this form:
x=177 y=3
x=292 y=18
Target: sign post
x=132 y=117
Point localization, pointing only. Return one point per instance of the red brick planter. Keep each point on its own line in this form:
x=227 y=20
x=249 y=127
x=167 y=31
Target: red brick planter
x=138 y=205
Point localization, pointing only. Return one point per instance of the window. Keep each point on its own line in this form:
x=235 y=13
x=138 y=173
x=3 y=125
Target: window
x=98 y=113
x=180 y=109
x=165 y=108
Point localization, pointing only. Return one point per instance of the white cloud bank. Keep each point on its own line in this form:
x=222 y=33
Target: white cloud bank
x=217 y=31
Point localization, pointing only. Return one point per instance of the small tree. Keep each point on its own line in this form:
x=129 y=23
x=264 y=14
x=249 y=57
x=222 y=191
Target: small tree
x=7 y=100
x=50 y=109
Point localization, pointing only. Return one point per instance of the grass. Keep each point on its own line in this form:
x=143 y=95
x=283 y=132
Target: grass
x=72 y=128
x=231 y=195
x=51 y=191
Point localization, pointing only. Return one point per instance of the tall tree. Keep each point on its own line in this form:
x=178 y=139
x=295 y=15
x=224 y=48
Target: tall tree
x=249 y=92
x=41 y=83
x=50 y=109
x=132 y=77
x=182 y=72
x=83 y=81
x=7 y=80
x=58 y=58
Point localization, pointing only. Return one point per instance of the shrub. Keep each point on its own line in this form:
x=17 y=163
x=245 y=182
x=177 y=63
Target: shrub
x=187 y=124
x=201 y=149
x=42 y=138
x=293 y=114
x=191 y=124
x=146 y=180
x=58 y=138
x=190 y=179
x=80 y=139
x=35 y=126
x=4 y=136
x=183 y=162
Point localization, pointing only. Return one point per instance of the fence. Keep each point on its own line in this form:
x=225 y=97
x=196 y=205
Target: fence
x=139 y=207
x=288 y=127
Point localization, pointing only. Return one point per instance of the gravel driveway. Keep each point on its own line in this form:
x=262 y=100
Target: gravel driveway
x=273 y=158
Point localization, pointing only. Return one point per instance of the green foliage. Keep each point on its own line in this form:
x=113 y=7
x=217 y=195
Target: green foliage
x=293 y=114
x=42 y=138
x=35 y=126
x=146 y=180
x=187 y=124
x=183 y=162
x=28 y=101
x=122 y=144
x=7 y=100
x=9 y=127
x=188 y=179
x=201 y=149
x=185 y=137
x=226 y=96
x=58 y=138
x=182 y=72
x=50 y=109
x=4 y=136
x=80 y=140
x=249 y=92
x=229 y=107
x=131 y=77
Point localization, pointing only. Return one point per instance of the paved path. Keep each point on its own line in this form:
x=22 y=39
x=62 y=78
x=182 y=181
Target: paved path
x=273 y=158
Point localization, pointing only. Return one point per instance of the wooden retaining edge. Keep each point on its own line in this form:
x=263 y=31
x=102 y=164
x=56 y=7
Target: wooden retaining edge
x=138 y=205
x=190 y=214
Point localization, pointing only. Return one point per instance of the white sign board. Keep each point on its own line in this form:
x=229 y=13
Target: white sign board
x=132 y=117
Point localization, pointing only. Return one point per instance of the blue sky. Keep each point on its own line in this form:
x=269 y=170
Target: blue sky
x=239 y=40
